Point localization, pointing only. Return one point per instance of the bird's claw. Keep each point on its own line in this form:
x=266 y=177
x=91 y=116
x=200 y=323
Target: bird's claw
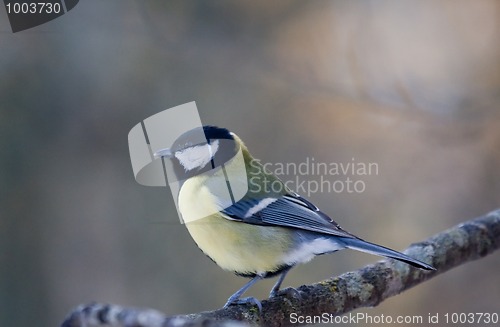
x=246 y=300
x=288 y=292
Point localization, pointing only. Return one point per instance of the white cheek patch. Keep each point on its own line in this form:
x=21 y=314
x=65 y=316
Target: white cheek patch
x=197 y=156
x=213 y=147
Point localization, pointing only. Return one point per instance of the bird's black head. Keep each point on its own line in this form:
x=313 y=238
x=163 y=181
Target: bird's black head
x=202 y=149
x=200 y=136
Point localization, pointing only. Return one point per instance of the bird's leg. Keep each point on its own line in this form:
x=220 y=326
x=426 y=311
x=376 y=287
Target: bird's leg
x=289 y=290
x=276 y=287
x=235 y=298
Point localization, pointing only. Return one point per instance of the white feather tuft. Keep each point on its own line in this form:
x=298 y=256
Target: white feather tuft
x=197 y=156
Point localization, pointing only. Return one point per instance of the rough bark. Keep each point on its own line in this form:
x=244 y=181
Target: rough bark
x=365 y=287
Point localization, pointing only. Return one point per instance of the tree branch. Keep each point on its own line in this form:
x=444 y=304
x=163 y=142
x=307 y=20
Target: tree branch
x=365 y=287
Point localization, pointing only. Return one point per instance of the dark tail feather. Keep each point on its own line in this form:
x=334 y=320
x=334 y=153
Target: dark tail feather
x=363 y=246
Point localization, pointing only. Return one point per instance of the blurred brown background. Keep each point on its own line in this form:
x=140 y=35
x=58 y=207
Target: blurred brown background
x=411 y=85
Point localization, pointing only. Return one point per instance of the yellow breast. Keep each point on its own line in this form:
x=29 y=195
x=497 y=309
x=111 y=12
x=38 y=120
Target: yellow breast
x=233 y=245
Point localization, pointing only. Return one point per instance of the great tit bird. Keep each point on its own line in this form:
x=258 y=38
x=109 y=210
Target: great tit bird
x=266 y=232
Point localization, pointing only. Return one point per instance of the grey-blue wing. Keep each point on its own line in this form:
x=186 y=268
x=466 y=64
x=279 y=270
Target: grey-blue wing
x=290 y=210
